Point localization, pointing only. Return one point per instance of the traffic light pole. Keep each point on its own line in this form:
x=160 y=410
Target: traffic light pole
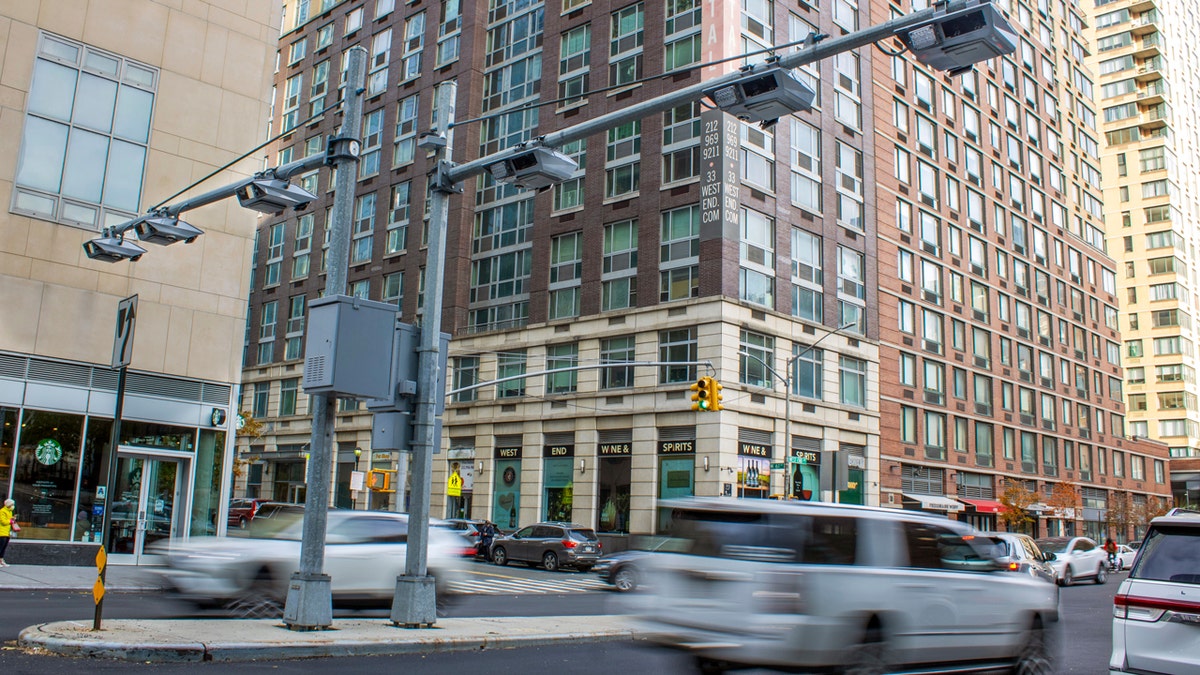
x=309 y=603
x=415 y=602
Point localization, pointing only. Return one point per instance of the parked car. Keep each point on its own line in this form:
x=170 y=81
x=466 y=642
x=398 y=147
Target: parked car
x=551 y=544
x=1076 y=558
x=242 y=511
x=469 y=530
x=364 y=553
x=1156 y=611
x=1021 y=554
x=811 y=586
x=1125 y=556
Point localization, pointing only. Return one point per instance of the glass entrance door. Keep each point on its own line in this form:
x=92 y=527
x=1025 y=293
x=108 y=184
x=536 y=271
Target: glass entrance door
x=147 y=492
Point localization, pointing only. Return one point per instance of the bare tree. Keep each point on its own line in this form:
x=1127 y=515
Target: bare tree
x=1119 y=514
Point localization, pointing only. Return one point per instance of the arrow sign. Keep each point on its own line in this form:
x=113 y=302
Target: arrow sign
x=123 y=340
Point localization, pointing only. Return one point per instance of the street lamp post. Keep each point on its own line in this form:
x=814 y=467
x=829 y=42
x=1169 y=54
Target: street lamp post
x=788 y=475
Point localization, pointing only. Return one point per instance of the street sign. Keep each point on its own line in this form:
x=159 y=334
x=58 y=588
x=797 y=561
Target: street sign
x=777 y=465
x=454 y=485
x=794 y=460
x=123 y=340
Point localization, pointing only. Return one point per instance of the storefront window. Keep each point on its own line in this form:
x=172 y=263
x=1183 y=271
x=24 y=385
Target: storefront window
x=89 y=519
x=558 y=481
x=806 y=476
x=506 y=491
x=460 y=506
x=289 y=482
x=754 y=470
x=615 y=479
x=152 y=435
x=46 y=470
x=676 y=474
x=209 y=465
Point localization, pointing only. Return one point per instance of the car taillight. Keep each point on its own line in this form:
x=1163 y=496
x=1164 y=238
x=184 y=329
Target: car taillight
x=567 y=543
x=1147 y=609
x=1013 y=567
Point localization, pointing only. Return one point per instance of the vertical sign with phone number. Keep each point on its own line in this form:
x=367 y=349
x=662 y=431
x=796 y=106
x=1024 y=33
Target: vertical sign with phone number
x=719 y=182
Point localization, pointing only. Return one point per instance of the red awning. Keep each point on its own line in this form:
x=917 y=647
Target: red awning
x=983 y=505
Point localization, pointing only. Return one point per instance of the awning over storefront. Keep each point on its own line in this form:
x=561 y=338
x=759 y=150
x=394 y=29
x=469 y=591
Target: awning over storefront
x=935 y=502
x=983 y=505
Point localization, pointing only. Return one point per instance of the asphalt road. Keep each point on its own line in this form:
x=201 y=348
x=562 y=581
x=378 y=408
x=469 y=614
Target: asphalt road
x=1087 y=622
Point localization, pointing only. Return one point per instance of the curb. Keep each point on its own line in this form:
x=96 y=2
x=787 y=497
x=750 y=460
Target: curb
x=162 y=641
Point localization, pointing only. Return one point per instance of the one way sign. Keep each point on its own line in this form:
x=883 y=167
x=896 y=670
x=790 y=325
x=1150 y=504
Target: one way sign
x=123 y=341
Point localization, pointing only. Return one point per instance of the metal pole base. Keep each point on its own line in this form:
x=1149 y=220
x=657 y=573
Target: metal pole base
x=309 y=602
x=415 y=602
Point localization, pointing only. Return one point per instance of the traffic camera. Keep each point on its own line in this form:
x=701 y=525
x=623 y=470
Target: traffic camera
x=763 y=96
x=112 y=249
x=955 y=41
x=535 y=168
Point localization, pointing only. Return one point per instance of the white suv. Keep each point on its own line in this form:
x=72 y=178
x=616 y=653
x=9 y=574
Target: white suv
x=864 y=590
x=1156 y=612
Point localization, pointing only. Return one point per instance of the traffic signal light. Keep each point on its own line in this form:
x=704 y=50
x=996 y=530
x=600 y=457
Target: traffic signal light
x=701 y=393
x=378 y=479
x=714 y=394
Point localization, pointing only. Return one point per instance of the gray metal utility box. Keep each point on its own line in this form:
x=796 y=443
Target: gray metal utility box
x=349 y=348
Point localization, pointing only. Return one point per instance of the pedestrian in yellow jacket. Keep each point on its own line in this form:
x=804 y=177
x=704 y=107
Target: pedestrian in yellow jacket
x=8 y=525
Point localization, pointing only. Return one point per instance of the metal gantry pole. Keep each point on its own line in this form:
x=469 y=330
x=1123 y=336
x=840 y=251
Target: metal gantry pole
x=415 y=601
x=309 y=604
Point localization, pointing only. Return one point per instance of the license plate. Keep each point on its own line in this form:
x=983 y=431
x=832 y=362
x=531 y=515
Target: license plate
x=588 y=549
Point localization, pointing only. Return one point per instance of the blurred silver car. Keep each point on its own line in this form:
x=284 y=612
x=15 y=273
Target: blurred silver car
x=1020 y=553
x=1076 y=558
x=364 y=553
x=815 y=586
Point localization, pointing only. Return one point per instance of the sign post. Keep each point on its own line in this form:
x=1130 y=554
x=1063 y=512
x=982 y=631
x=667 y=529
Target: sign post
x=121 y=357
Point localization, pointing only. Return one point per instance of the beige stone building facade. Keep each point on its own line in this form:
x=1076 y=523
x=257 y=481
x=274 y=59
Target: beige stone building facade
x=110 y=107
x=1146 y=63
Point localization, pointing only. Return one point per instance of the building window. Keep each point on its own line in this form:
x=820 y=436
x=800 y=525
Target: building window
x=625 y=45
x=757 y=353
x=372 y=142
x=758 y=157
x=682 y=42
x=449 y=30
x=363 y=240
x=808 y=275
x=676 y=346
x=559 y=357
x=618 y=286
x=84 y=143
x=849 y=186
x=287 y=396
x=466 y=374
x=414 y=45
x=808 y=372
x=274 y=255
x=757 y=258
x=681 y=143
x=613 y=350
x=622 y=163
x=377 y=68
x=569 y=193
x=852 y=379
x=852 y=289
x=398 y=217
x=301 y=252
x=317 y=89
x=679 y=254
x=847 y=105
x=566 y=268
x=574 y=61
x=295 y=328
x=806 y=166
x=262 y=394
x=510 y=364
x=406 y=130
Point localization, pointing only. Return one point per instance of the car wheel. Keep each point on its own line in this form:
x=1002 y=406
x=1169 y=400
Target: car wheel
x=625 y=580
x=500 y=556
x=1034 y=658
x=259 y=600
x=1101 y=574
x=1067 y=577
x=241 y=523
x=550 y=561
x=870 y=656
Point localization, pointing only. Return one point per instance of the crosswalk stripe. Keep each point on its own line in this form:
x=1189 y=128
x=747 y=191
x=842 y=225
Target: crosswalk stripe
x=493 y=586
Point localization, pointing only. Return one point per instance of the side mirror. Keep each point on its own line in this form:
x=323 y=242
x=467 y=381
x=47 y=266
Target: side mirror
x=1047 y=556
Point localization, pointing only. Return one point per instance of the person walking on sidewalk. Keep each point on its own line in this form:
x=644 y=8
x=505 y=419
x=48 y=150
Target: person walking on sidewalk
x=8 y=525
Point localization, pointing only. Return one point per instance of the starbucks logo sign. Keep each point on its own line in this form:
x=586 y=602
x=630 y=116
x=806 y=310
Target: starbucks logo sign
x=48 y=451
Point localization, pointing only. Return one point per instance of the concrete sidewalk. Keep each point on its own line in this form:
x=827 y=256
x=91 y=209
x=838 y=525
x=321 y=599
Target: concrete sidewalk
x=194 y=640
x=118 y=579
